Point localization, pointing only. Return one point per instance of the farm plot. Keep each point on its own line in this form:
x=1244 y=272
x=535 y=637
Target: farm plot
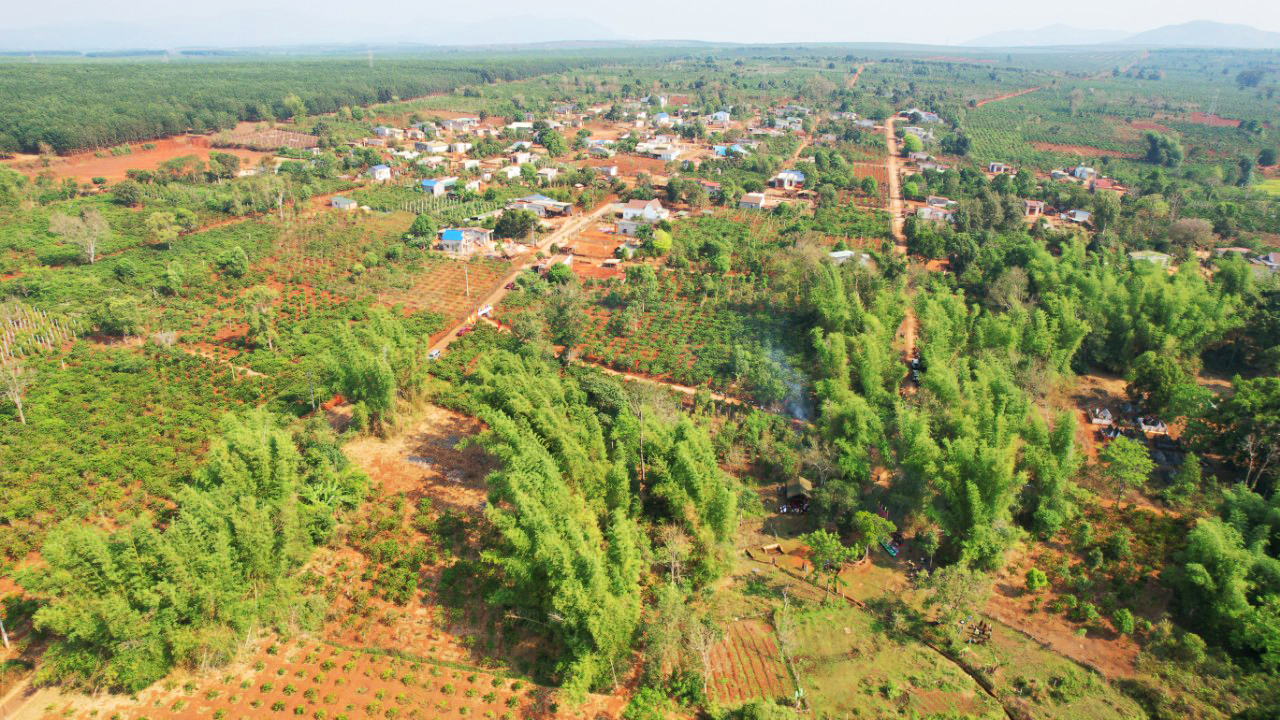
x=261 y=138
x=453 y=288
x=880 y=174
x=319 y=680
x=681 y=336
x=850 y=668
x=746 y=664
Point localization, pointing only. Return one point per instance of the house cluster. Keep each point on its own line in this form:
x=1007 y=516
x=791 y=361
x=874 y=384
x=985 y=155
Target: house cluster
x=541 y=205
x=1264 y=265
x=1089 y=177
x=1130 y=422
x=937 y=209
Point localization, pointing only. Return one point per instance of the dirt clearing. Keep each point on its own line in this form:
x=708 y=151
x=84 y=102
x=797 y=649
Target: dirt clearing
x=84 y=167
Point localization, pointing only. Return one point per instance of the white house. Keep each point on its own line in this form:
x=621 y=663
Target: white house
x=752 y=201
x=435 y=147
x=1084 y=173
x=521 y=158
x=380 y=173
x=547 y=175
x=787 y=179
x=463 y=240
x=460 y=147
x=649 y=211
x=840 y=257
x=936 y=214
x=342 y=203
x=510 y=172
x=1155 y=258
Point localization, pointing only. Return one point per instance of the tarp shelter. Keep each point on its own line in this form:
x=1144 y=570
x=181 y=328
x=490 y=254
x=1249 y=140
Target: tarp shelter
x=799 y=489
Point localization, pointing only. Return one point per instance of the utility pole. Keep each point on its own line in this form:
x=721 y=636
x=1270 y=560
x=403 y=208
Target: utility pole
x=466 y=274
x=4 y=634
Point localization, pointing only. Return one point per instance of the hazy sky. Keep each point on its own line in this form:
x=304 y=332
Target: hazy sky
x=924 y=21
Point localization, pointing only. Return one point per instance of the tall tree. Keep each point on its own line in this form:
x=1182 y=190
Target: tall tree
x=1126 y=464
x=87 y=231
x=16 y=379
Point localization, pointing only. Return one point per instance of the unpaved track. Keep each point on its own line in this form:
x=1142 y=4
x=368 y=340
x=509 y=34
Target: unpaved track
x=893 y=164
x=1006 y=96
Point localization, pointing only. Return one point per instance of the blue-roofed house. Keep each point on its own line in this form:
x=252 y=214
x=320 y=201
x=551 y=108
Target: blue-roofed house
x=342 y=203
x=721 y=150
x=720 y=117
x=380 y=173
x=438 y=186
x=463 y=240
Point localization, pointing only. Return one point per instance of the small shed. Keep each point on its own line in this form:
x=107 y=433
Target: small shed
x=799 y=490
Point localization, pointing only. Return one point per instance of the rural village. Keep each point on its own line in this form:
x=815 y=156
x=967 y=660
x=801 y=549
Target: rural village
x=738 y=383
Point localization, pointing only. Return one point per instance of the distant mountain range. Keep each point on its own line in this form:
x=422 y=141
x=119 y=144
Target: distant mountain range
x=1198 y=33
x=1047 y=36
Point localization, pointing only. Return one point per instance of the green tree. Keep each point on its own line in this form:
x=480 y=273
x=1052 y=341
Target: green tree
x=127 y=193
x=911 y=143
x=1126 y=464
x=424 y=228
x=870 y=528
x=828 y=555
x=258 y=305
x=1155 y=380
x=515 y=224
x=294 y=108
x=162 y=228
x=115 y=315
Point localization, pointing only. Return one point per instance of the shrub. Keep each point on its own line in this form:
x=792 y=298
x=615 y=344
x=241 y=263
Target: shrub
x=1123 y=621
x=1036 y=579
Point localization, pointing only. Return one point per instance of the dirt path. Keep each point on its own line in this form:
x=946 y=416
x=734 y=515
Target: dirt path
x=16 y=700
x=683 y=389
x=1006 y=96
x=908 y=334
x=896 y=204
x=559 y=236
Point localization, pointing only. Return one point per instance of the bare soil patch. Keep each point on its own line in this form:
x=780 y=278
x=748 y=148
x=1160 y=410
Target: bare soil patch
x=1081 y=150
x=83 y=167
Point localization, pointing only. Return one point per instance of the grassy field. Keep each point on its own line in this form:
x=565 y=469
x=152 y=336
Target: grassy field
x=1270 y=186
x=850 y=667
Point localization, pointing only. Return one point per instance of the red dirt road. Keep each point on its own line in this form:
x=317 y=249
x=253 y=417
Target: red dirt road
x=1006 y=96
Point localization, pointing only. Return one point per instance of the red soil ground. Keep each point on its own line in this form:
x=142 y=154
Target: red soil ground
x=86 y=166
x=1082 y=150
x=1200 y=118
